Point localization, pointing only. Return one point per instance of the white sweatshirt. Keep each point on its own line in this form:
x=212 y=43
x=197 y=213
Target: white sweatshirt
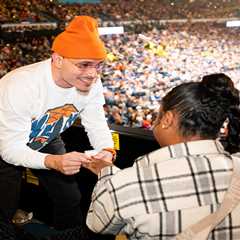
x=34 y=110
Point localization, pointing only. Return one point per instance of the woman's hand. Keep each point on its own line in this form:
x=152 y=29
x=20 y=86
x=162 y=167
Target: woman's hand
x=99 y=161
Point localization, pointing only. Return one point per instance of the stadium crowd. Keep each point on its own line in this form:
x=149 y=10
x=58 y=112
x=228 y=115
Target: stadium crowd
x=144 y=72
x=142 y=67
x=113 y=10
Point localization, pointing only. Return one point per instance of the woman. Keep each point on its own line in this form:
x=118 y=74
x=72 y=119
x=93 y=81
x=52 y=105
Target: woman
x=185 y=180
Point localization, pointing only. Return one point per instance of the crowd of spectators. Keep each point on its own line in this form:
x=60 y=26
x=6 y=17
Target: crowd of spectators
x=23 y=51
x=148 y=10
x=142 y=67
x=16 y=11
x=113 y=10
x=144 y=71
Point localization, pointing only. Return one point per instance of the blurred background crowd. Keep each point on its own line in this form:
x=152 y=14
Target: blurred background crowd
x=143 y=63
x=114 y=10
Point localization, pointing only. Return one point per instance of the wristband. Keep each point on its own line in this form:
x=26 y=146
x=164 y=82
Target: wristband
x=112 y=151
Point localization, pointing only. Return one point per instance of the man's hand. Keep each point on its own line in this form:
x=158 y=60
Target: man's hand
x=99 y=161
x=68 y=163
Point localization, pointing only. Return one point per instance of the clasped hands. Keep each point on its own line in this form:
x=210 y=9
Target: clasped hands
x=70 y=163
x=99 y=161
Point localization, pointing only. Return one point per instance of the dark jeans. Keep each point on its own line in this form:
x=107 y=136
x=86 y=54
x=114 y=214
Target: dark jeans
x=10 y=184
x=63 y=191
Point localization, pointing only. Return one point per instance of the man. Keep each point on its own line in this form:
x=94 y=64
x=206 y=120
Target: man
x=37 y=103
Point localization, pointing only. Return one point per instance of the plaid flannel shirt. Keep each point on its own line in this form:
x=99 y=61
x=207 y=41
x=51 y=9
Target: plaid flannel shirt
x=164 y=192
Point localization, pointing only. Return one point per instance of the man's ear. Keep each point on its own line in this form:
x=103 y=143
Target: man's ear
x=167 y=119
x=57 y=60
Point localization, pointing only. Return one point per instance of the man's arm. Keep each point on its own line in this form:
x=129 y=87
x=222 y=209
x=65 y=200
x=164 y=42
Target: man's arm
x=18 y=103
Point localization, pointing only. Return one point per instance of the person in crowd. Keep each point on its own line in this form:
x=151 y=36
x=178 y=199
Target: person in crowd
x=175 y=186
x=140 y=72
x=40 y=101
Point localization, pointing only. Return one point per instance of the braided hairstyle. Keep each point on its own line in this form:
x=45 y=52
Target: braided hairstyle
x=203 y=107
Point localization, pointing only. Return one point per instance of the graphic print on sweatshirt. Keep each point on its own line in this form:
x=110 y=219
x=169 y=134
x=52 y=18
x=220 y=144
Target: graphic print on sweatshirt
x=51 y=124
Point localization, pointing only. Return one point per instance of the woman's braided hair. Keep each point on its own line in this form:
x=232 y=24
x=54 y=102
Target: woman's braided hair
x=204 y=106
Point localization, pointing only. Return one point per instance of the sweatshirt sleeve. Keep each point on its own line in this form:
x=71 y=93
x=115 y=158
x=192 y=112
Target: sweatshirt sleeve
x=17 y=103
x=94 y=121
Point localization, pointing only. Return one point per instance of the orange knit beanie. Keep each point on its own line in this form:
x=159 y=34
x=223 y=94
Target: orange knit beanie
x=80 y=40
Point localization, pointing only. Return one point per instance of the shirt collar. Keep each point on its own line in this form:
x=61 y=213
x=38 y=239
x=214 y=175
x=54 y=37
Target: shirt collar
x=187 y=149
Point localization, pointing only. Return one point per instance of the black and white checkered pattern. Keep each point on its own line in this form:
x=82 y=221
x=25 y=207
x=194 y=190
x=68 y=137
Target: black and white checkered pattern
x=164 y=192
